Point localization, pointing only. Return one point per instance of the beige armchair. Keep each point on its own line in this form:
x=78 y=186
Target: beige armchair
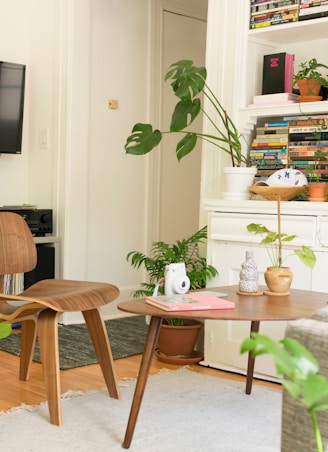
x=297 y=429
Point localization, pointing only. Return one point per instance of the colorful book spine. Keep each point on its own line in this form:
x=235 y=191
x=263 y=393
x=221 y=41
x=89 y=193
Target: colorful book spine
x=323 y=122
x=308 y=143
x=276 y=124
x=308 y=136
x=310 y=129
x=305 y=152
x=268 y=144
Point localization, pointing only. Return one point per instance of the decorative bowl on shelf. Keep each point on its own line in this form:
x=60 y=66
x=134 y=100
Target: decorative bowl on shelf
x=271 y=193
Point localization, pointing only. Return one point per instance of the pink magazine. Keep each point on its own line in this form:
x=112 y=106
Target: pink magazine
x=189 y=302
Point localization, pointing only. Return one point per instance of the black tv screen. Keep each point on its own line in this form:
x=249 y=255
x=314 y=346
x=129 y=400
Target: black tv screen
x=12 y=88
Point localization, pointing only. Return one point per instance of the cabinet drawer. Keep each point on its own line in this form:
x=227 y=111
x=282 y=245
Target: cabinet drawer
x=231 y=227
x=322 y=235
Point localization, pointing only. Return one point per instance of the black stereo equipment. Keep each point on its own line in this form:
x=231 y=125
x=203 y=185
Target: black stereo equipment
x=38 y=220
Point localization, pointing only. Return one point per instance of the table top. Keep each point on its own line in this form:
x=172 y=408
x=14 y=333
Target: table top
x=298 y=304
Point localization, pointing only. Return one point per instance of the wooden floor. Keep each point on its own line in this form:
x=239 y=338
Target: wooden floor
x=15 y=392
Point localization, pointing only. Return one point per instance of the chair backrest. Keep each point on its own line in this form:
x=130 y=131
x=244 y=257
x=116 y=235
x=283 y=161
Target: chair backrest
x=17 y=247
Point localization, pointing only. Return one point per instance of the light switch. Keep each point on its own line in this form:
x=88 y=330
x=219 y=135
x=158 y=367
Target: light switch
x=113 y=103
x=44 y=138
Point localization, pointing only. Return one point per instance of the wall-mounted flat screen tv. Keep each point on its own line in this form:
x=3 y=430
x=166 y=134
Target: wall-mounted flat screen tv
x=12 y=88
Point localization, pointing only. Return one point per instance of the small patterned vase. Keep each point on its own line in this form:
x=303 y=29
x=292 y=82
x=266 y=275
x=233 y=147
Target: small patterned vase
x=249 y=278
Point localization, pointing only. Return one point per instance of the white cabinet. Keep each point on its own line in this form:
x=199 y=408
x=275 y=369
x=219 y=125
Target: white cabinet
x=228 y=241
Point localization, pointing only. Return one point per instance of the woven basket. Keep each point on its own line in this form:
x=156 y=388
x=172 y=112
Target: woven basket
x=272 y=193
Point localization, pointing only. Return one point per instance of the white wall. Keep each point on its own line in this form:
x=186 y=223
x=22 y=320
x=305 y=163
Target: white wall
x=79 y=54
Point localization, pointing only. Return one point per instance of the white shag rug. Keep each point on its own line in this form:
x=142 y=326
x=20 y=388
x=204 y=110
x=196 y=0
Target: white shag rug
x=181 y=411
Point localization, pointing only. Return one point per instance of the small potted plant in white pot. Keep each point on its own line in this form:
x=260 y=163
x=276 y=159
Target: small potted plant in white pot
x=188 y=83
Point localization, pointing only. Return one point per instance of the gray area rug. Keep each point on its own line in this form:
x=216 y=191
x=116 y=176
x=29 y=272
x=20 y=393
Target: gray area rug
x=181 y=411
x=127 y=337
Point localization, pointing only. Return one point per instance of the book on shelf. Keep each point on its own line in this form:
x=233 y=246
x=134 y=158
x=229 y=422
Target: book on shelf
x=311 y=3
x=189 y=302
x=273 y=13
x=272 y=22
x=270 y=131
x=308 y=143
x=272 y=104
x=305 y=152
x=277 y=75
x=276 y=124
x=275 y=97
x=309 y=122
x=271 y=139
x=308 y=129
x=269 y=144
x=265 y=6
x=308 y=136
x=312 y=16
x=304 y=117
x=260 y=153
x=313 y=10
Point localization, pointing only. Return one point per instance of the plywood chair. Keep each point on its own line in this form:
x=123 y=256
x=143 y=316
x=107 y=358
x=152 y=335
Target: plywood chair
x=42 y=303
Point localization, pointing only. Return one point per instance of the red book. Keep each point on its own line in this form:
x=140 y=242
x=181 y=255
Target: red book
x=278 y=69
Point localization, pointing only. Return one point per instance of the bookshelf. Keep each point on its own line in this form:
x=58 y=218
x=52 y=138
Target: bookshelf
x=234 y=64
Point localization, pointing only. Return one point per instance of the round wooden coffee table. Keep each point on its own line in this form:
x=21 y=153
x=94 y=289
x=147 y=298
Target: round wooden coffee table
x=254 y=308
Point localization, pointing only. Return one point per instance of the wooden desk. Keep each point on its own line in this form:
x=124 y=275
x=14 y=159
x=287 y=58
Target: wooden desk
x=298 y=304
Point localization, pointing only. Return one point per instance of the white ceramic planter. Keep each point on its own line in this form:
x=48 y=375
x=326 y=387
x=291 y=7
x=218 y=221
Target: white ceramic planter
x=238 y=179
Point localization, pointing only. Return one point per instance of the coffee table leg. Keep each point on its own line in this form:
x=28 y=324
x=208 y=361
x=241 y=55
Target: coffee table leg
x=151 y=340
x=255 y=326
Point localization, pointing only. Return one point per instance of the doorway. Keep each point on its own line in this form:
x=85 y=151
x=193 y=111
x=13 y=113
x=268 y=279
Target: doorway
x=184 y=37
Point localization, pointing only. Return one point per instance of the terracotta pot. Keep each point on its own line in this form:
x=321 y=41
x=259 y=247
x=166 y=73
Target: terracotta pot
x=179 y=341
x=317 y=192
x=278 y=279
x=309 y=90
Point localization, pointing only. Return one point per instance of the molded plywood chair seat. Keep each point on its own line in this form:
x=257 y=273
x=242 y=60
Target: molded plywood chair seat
x=41 y=305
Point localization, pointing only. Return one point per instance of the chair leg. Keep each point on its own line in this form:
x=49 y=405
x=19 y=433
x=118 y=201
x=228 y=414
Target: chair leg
x=48 y=340
x=98 y=333
x=28 y=337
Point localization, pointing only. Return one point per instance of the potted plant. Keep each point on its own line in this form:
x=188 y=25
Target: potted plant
x=188 y=83
x=198 y=271
x=279 y=277
x=310 y=81
x=316 y=186
x=299 y=370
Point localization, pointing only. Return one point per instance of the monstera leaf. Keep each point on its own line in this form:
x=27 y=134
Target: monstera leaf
x=188 y=80
x=143 y=139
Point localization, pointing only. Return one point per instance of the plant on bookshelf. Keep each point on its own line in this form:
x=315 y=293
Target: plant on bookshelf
x=310 y=80
x=316 y=187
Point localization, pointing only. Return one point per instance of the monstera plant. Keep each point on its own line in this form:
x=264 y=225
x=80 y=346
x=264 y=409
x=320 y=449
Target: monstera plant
x=188 y=83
